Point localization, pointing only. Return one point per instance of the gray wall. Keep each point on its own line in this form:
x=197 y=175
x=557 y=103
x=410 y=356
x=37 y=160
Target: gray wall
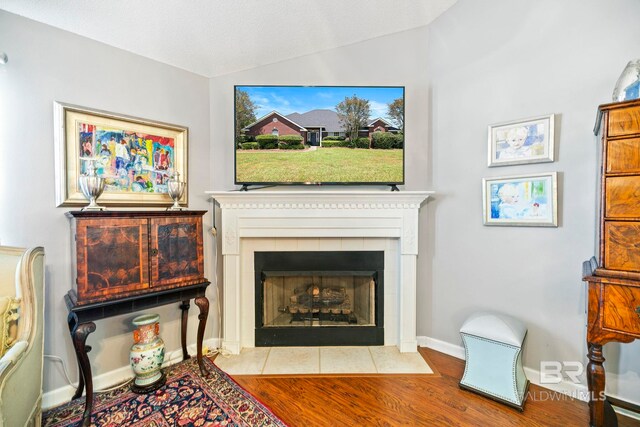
x=46 y=64
x=496 y=61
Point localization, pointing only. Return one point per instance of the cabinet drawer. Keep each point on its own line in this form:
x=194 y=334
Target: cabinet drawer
x=624 y=121
x=622 y=251
x=622 y=197
x=623 y=155
x=620 y=305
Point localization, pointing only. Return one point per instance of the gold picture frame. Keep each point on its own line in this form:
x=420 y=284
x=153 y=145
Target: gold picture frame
x=135 y=156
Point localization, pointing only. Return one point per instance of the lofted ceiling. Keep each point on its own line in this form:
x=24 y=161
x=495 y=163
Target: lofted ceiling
x=216 y=37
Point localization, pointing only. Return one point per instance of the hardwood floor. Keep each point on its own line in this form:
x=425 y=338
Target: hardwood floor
x=407 y=401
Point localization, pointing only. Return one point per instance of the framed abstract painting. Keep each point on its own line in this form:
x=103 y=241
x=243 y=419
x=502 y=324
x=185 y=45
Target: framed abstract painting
x=524 y=200
x=134 y=156
x=523 y=141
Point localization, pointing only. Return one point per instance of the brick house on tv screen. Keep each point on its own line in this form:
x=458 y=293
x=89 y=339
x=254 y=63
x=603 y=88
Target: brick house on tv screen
x=313 y=126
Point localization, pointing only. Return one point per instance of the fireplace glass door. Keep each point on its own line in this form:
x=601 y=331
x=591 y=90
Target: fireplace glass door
x=331 y=298
x=315 y=298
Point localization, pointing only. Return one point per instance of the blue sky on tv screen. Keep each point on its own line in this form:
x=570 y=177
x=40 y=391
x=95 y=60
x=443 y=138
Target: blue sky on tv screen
x=300 y=99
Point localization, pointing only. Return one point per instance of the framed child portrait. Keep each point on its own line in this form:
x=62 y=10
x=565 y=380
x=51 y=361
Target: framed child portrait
x=523 y=141
x=135 y=156
x=524 y=200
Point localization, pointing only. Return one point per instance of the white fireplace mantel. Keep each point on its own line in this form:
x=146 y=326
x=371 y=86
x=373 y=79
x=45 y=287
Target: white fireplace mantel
x=319 y=214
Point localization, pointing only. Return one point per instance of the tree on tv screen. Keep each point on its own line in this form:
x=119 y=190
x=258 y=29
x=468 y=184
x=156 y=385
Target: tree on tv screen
x=396 y=113
x=245 y=111
x=354 y=114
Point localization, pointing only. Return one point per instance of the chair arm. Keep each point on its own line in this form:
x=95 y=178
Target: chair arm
x=12 y=355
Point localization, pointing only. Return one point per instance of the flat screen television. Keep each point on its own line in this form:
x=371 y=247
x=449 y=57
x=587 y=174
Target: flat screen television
x=319 y=135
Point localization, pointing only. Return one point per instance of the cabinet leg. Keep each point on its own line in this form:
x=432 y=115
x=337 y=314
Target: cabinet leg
x=79 y=335
x=595 y=380
x=203 y=305
x=72 y=321
x=183 y=333
x=80 y=387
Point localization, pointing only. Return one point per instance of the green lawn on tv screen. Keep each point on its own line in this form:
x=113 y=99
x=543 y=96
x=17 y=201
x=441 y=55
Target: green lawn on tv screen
x=322 y=165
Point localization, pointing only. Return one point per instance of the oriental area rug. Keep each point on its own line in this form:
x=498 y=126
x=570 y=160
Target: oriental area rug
x=187 y=399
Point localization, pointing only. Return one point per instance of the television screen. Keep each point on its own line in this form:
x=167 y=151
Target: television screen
x=319 y=135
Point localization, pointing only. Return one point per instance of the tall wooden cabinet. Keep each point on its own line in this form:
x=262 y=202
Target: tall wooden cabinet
x=120 y=254
x=614 y=278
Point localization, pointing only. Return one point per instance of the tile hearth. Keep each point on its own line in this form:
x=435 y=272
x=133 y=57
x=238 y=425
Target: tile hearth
x=323 y=360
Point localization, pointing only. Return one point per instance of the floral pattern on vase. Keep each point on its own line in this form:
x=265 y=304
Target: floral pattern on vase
x=147 y=352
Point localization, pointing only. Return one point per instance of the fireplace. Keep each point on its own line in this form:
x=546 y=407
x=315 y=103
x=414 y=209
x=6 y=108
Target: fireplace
x=317 y=298
x=345 y=220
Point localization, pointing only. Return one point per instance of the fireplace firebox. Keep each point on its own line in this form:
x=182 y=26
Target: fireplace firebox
x=319 y=298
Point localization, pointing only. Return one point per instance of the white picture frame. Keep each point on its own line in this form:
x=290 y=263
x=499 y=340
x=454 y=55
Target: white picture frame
x=521 y=200
x=522 y=141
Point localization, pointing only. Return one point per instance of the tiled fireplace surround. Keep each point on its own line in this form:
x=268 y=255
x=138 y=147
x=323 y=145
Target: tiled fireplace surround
x=319 y=221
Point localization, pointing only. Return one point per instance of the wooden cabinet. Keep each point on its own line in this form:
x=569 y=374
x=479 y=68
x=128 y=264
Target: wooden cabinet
x=130 y=261
x=614 y=278
x=120 y=254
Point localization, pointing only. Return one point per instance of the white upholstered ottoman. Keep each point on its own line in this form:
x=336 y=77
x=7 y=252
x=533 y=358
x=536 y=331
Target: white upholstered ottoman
x=493 y=348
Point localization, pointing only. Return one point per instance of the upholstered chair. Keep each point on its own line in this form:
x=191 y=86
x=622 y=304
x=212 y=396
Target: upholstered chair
x=21 y=324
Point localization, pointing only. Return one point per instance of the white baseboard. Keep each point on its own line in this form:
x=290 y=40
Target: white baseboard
x=442 y=346
x=576 y=391
x=626 y=413
x=103 y=381
x=213 y=342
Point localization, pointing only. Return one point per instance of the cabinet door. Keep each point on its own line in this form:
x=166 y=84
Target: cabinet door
x=176 y=251
x=112 y=258
x=620 y=305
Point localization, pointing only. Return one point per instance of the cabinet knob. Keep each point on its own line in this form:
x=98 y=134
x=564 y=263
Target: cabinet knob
x=154 y=252
x=638 y=310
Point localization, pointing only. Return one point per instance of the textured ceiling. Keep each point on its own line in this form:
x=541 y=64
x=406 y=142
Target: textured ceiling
x=215 y=37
